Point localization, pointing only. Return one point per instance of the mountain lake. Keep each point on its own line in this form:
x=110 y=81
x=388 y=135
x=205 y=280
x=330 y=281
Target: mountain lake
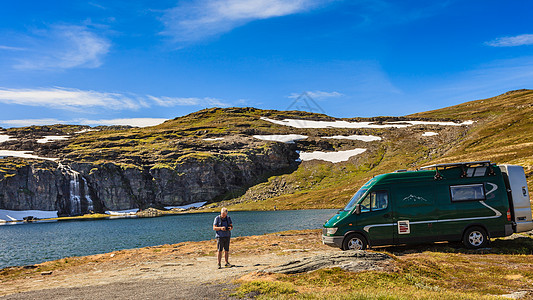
x=31 y=243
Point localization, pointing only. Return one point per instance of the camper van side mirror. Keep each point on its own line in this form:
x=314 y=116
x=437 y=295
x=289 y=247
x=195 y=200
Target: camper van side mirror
x=358 y=209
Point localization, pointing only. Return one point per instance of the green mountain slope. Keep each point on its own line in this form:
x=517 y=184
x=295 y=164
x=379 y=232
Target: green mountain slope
x=502 y=133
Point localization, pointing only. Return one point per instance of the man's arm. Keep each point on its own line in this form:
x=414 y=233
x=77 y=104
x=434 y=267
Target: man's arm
x=218 y=228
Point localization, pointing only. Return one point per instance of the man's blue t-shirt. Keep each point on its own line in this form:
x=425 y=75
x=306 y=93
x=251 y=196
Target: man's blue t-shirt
x=219 y=222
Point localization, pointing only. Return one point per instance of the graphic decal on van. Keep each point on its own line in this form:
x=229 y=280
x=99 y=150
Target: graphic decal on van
x=497 y=215
x=494 y=187
x=403 y=227
x=414 y=199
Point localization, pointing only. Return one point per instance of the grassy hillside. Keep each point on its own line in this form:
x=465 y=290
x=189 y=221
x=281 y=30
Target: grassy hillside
x=502 y=133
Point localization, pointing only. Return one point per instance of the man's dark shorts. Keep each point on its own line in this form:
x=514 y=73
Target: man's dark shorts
x=223 y=243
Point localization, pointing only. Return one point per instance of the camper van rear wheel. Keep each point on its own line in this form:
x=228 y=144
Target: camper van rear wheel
x=475 y=237
x=354 y=241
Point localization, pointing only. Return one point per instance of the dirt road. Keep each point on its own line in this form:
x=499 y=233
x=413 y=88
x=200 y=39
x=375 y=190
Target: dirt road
x=185 y=270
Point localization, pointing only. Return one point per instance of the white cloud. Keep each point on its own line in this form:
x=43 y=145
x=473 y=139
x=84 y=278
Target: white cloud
x=75 y=99
x=63 y=47
x=317 y=95
x=71 y=99
x=193 y=101
x=200 y=19
x=138 y=122
x=31 y=122
x=4 y=47
x=512 y=41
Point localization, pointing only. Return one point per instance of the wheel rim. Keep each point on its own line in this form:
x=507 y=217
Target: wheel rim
x=355 y=244
x=475 y=238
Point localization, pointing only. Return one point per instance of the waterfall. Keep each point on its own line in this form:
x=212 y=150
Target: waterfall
x=78 y=190
x=75 y=195
x=90 y=206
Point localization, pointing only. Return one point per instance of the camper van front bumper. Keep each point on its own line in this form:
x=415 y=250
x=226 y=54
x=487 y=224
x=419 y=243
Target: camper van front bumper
x=333 y=241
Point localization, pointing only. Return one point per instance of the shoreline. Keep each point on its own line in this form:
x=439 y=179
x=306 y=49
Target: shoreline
x=160 y=213
x=96 y=216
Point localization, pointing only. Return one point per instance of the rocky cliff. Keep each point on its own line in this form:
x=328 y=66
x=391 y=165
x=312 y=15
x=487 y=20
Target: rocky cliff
x=74 y=188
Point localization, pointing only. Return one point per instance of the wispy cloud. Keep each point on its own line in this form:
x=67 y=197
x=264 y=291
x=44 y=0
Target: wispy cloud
x=176 y=101
x=199 y=19
x=512 y=41
x=70 y=99
x=485 y=81
x=317 y=95
x=63 y=47
x=4 y=47
x=75 y=99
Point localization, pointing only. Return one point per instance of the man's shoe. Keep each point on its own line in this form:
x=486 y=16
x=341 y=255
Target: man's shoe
x=228 y=265
x=219 y=266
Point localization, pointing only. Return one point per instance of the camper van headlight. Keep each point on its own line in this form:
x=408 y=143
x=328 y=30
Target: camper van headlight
x=331 y=230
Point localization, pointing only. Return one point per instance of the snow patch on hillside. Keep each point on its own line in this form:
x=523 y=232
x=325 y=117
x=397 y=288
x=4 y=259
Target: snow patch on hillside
x=23 y=154
x=364 y=138
x=85 y=130
x=329 y=124
x=287 y=138
x=333 y=157
x=52 y=138
x=18 y=215
x=429 y=133
x=214 y=139
x=5 y=138
x=122 y=212
x=195 y=205
x=344 y=124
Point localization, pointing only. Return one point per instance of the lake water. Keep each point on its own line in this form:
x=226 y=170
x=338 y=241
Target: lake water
x=32 y=243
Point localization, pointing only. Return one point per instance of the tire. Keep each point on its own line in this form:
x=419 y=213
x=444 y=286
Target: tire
x=354 y=241
x=475 y=238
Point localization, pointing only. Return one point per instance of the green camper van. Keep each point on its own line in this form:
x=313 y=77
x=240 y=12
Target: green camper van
x=468 y=201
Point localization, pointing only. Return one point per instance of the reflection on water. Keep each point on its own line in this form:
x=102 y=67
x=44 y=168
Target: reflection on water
x=33 y=243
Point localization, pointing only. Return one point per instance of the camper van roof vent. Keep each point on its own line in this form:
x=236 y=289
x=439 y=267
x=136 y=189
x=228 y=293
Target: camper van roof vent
x=459 y=164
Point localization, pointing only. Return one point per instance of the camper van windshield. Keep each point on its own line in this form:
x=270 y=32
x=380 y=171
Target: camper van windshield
x=355 y=199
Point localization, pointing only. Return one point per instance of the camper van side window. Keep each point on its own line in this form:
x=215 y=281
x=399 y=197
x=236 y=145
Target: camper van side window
x=375 y=201
x=467 y=192
x=380 y=200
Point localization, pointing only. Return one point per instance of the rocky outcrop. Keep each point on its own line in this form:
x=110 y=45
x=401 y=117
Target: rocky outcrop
x=149 y=213
x=353 y=261
x=74 y=188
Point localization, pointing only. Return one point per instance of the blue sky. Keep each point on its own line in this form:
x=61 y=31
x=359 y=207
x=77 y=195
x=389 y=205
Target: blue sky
x=112 y=62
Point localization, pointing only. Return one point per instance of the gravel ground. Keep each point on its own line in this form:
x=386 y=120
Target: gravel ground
x=186 y=270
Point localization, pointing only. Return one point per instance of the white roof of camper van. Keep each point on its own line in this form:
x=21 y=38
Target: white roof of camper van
x=458 y=164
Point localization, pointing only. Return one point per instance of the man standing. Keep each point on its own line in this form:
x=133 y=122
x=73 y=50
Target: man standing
x=223 y=226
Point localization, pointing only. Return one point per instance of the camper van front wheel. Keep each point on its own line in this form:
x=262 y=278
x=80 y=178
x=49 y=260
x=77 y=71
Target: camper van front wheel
x=354 y=241
x=475 y=237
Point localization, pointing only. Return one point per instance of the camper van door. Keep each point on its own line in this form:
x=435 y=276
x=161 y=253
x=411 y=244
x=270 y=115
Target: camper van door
x=415 y=213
